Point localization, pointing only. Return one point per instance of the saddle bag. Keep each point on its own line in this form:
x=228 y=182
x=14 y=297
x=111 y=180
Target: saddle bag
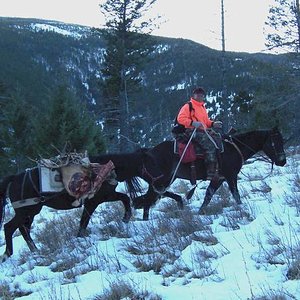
x=190 y=153
x=50 y=180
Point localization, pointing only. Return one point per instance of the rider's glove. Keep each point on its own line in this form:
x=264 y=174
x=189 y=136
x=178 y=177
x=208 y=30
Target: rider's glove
x=217 y=124
x=197 y=124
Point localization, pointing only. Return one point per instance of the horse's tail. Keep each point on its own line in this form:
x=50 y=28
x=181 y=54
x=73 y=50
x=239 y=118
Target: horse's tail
x=3 y=187
x=133 y=186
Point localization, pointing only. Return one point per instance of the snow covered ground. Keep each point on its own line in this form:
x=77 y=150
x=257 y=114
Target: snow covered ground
x=246 y=252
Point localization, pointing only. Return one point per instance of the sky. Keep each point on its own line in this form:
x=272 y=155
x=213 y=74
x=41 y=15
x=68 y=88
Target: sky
x=197 y=20
x=241 y=252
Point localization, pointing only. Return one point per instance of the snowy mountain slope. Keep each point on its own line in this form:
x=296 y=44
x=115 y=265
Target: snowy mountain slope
x=246 y=252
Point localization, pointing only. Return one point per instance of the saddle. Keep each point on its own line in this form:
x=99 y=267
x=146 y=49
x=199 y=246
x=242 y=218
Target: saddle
x=80 y=178
x=192 y=153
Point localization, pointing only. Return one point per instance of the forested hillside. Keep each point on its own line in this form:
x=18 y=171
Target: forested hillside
x=42 y=60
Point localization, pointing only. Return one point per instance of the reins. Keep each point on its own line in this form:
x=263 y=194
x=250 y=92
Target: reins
x=237 y=149
x=263 y=157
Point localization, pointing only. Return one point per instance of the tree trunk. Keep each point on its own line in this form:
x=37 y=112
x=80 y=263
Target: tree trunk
x=224 y=86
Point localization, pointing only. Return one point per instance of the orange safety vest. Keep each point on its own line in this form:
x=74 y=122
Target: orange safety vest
x=198 y=113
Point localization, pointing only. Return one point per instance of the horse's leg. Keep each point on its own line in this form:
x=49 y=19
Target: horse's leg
x=25 y=231
x=149 y=199
x=210 y=191
x=9 y=229
x=142 y=202
x=146 y=212
x=176 y=197
x=146 y=201
x=126 y=202
x=234 y=190
x=89 y=207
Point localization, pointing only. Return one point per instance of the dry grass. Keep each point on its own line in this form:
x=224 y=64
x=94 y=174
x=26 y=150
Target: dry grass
x=8 y=292
x=125 y=289
x=157 y=244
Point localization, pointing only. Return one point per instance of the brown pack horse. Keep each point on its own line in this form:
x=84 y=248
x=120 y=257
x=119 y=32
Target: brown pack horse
x=237 y=149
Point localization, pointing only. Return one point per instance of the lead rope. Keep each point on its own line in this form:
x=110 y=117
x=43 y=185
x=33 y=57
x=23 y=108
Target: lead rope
x=182 y=155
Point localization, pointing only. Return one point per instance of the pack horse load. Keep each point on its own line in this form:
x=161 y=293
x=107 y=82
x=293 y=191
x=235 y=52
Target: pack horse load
x=63 y=182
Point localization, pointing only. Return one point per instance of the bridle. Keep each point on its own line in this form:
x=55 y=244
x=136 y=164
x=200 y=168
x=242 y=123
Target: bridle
x=263 y=157
x=277 y=154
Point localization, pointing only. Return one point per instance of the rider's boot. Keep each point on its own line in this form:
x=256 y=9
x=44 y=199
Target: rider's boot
x=211 y=165
x=211 y=169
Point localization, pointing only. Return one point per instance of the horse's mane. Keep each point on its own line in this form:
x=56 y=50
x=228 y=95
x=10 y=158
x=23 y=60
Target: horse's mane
x=251 y=134
x=4 y=183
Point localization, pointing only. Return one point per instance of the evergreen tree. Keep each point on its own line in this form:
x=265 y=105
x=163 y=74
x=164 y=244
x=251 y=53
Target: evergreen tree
x=17 y=137
x=67 y=122
x=243 y=110
x=128 y=46
x=284 y=18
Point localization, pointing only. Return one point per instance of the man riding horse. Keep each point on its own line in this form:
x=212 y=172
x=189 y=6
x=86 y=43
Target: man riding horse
x=194 y=115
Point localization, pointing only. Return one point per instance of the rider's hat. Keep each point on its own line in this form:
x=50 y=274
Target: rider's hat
x=199 y=90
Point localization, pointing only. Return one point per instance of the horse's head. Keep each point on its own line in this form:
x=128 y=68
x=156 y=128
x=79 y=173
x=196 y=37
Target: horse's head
x=273 y=147
x=152 y=172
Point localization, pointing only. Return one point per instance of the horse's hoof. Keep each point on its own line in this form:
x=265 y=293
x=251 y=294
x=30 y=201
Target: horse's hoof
x=126 y=219
x=180 y=205
x=145 y=218
x=3 y=258
x=83 y=233
x=202 y=211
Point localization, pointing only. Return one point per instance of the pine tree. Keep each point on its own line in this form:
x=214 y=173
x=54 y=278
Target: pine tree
x=67 y=123
x=284 y=19
x=17 y=132
x=128 y=46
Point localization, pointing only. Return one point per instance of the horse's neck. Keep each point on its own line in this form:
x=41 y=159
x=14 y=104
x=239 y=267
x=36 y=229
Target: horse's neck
x=164 y=153
x=127 y=164
x=250 y=143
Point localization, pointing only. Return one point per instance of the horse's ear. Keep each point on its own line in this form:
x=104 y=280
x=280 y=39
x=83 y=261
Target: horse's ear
x=141 y=150
x=286 y=140
x=144 y=150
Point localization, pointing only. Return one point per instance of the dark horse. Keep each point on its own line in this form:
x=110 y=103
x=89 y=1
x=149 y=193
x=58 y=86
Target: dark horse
x=141 y=164
x=237 y=149
x=26 y=186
